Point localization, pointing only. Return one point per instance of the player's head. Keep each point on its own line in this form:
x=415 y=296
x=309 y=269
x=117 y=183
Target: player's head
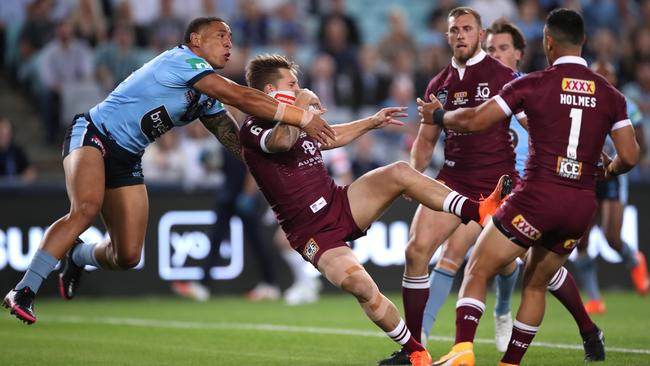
x=211 y=39
x=564 y=34
x=506 y=43
x=270 y=73
x=464 y=33
x=606 y=69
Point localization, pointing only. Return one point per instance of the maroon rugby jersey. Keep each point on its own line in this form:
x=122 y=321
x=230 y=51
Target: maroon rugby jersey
x=570 y=111
x=295 y=183
x=482 y=78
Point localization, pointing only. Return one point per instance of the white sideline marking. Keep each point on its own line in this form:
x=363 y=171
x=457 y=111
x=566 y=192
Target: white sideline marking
x=177 y=324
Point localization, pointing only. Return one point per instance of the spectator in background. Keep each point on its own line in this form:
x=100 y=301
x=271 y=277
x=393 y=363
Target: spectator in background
x=287 y=25
x=252 y=25
x=374 y=77
x=337 y=12
x=345 y=54
x=394 y=139
x=165 y=31
x=164 y=161
x=531 y=25
x=14 y=164
x=141 y=13
x=601 y=14
x=398 y=39
x=35 y=33
x=364 y=158
x=321 y=78
x=89 y=22
x=65 y=60
x=492 y=10
x=639 y=92
x=117 y=59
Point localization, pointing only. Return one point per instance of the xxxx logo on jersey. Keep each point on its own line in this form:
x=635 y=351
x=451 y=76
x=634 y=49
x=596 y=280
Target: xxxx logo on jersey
x=524 y=227
x=578 y=86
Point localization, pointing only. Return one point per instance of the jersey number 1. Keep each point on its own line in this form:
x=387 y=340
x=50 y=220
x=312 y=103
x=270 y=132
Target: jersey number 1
x=574 y=133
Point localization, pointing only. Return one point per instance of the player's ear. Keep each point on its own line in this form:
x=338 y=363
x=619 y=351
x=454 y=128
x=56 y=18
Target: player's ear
x=195 y=39
x=269 y=88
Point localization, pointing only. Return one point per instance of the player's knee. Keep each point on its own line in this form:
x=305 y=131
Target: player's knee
x=128 y=260
x=85 y=211
x=418 y=251
x=360 y=285
x=399 y=170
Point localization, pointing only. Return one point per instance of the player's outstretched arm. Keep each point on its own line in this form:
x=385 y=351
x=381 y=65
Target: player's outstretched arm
x=224 y=127
x=423 y=146
x=627 y=151
x=348 y=132
x=255 y=102
x=463 y=119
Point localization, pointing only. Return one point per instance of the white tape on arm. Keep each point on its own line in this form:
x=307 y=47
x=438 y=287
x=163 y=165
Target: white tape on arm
x=306 y=118
x=279 y=112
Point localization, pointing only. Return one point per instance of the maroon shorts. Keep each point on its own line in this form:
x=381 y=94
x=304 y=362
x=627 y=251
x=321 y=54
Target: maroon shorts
x=336 y=227
x=473 y=184
x=546 y=214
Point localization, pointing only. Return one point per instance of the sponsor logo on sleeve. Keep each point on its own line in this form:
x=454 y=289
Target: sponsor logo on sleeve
x=578 y=86
x=568 y=168
x=524 y=227
x=198 y=63
x=311 y=248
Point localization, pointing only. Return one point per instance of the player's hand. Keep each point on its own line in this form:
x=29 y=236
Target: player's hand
x=425 y=110
x=387 y=116
x=308 y=100
x=318 y=128
x=602 y=173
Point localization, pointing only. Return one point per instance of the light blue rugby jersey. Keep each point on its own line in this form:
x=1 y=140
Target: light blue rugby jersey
x=155 y=98
x=635 y=116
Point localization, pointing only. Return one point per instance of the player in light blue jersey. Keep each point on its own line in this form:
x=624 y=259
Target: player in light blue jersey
x=103 y=149
x=612 y=197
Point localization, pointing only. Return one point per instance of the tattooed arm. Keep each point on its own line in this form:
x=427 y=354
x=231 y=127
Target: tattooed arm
x=224 y=127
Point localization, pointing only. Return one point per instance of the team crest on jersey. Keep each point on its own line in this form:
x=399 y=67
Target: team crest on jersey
x=460 y=98
x=578 y=86
x=570 y=243
x=311 y=248
x=524 y=227
x=309 y=147
x=442 y=96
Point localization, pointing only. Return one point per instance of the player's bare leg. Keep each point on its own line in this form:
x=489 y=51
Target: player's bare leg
x=125 y=213
x=372 y=194
x=541 y=265
x=492 y=252
x=342 y=269
x=84 y=174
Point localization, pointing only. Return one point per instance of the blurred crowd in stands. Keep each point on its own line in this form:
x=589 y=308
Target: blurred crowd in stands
x=357 y=55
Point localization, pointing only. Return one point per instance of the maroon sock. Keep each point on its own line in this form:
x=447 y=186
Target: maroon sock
x=461 y=206
x=522 y=336
x=468 y=314
x=415 y=293
x=402 y=336
x=563 y=287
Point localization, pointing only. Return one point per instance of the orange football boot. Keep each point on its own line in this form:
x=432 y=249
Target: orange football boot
x=420 y=358
x=488 y=206
x=595 y=307
x=461 y=354
x=639 y=274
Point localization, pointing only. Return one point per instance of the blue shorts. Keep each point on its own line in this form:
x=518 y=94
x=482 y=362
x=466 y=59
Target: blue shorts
x=121 y=167
x=613 y=190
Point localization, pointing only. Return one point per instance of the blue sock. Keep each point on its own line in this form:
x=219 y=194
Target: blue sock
x=40 y=267
x=85 y=254
x=441 y=281
x=586 y=267
x=627 y=254
x=505 y=287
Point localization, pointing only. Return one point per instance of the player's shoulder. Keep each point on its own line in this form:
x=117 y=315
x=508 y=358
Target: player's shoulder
x=181 y=55
x=439 y=78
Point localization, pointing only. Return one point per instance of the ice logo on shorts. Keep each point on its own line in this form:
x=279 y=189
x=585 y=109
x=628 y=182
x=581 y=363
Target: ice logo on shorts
x=310 y=250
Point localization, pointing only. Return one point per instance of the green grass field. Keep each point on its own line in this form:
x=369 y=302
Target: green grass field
x=231 y=331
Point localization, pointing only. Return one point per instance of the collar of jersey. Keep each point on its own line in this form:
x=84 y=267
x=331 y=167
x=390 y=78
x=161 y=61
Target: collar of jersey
x=472 y=61
x=570 y=60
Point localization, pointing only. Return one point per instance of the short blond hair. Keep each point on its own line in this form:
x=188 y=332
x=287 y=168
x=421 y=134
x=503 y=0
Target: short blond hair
x=263 y=70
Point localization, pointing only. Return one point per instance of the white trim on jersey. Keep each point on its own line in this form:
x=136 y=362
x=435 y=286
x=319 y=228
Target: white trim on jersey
x=621 y=124
x=472 y=61
x=504 y=106
x=521 y=115
x=570 y=60
x=263 y=142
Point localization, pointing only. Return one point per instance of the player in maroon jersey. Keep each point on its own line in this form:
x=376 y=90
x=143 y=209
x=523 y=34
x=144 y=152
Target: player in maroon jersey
x=317 y=215
x=554 y=205
x=471 y=78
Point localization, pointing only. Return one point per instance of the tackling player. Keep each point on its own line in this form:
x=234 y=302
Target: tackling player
x=103 y=148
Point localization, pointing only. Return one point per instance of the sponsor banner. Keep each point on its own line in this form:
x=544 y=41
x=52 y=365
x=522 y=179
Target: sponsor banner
x=178 y=242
